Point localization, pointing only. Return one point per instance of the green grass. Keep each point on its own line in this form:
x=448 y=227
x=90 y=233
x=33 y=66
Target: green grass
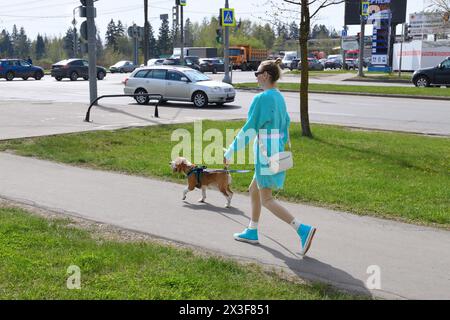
x=393 y=175
x=390 y=90
x=36 y=252
x=327 y=72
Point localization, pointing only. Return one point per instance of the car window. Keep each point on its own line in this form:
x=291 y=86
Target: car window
x=158 y=74
x=15 y=63
x=76 y=63
x=141 y=74
x=85 y=63
x=446 y=64
x=195 y=75
x=174 y=76
x=24 y=64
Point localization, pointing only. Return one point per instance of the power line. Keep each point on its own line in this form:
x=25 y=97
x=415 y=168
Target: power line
x=35 y=8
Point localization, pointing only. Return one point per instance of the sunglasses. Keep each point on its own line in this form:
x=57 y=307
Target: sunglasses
x=257 y=73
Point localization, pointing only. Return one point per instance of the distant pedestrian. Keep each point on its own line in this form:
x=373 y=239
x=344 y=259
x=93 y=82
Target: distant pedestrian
x=267 y=113
x=29 y=60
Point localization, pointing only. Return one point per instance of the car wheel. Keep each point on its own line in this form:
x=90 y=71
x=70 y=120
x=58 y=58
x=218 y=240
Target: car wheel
x=422 y=82
x=141 y=99
x=25 y=78
x=200 y=99
x=244 y=67
x=58 y=78
x=10 y=76
x=164 y=101
x=38 y=75
x=86 y=78
x=215 y=70
x=74 y=76
x=100 y=75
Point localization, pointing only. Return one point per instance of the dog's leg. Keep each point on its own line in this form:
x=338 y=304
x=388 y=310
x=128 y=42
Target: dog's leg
x=203 y=198
x=230 y=194
x=227 y=196
x=185 y=191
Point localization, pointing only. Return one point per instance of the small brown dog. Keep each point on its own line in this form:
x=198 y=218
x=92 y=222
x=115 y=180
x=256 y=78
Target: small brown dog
x=202 y=179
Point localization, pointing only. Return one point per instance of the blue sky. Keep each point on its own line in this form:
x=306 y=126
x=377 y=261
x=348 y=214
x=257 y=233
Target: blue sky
x=53 y=17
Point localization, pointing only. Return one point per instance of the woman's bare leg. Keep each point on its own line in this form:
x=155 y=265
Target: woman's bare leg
x=268 y=202
x=255 y=200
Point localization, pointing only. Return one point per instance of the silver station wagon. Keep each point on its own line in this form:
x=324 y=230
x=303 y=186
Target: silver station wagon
x=178 y=84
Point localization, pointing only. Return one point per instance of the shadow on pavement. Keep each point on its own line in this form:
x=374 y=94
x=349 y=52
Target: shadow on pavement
x=205 y=206
x=115 y=110
x=315 y=270
x=188 y=105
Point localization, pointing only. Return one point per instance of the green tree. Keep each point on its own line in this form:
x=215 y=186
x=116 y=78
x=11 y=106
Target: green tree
x=23 y=45
x=39 y=50
x=6 y=45
x=111 y=35
x=164 y=40
x=294 y=31
x=68 y=44
x=188 y=33
x=152 y=45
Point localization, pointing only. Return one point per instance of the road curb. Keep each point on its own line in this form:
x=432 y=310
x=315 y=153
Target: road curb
x=357 y=94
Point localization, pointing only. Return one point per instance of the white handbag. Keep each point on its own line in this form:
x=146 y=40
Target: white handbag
x=280 y=161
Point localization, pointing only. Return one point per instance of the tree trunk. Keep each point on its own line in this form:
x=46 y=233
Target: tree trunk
x=304 y=32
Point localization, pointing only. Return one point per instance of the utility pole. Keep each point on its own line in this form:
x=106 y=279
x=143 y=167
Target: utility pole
x=401 y=51
x=89 y=12
x=75 y=40
x=146 y=31
x=226 y=50
x=364 y=12
x=182 y=32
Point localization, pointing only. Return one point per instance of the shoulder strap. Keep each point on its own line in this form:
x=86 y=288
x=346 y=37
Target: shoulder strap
x=263 y=148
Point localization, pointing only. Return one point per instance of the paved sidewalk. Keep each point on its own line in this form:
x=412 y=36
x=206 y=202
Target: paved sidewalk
x=414 y=261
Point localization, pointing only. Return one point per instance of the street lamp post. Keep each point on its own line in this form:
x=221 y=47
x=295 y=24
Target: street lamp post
x=146 y=31
x=226 y=78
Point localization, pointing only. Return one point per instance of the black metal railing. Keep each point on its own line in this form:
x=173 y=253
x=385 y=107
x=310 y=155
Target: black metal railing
x=149 y=95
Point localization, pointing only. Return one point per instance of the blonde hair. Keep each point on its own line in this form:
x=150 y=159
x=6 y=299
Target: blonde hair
x=272 y=67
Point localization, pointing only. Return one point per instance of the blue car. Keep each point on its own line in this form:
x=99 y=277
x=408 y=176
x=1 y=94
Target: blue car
x=17 y=68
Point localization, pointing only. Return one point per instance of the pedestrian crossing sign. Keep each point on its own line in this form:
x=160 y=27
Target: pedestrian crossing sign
x=365 y=8
x=228 y=18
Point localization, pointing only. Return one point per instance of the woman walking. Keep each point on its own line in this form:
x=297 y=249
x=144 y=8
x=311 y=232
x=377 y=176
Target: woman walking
x=267 y=114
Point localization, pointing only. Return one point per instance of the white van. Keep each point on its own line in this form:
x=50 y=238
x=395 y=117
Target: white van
x=288 y=58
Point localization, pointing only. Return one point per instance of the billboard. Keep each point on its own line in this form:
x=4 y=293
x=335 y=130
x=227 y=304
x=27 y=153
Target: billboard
x=427 y=23
x=353 y=10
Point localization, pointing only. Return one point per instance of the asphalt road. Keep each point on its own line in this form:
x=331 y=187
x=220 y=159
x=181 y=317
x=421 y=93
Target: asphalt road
x=363 y=254
x=32 y=108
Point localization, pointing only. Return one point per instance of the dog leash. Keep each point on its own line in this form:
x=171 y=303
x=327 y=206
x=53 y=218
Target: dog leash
x=228 y=171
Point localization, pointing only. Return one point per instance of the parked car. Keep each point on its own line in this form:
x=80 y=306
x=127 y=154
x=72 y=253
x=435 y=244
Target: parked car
x=288 y=59
x=435 y=76
x=333 y=63
x=176 y=62
x=74 y=69
x=213 y=65
x=122 y=67
x=350 y=64
x=154 y=62
x=178 y=84
x=17 y=68
x=313 y=64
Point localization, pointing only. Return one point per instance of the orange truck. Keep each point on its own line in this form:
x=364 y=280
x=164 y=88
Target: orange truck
x=246 y=58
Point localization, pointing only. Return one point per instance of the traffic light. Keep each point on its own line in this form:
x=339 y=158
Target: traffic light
x=406 y=34
x=218 y=35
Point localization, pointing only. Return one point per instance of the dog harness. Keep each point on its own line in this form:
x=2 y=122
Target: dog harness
x=198 y=173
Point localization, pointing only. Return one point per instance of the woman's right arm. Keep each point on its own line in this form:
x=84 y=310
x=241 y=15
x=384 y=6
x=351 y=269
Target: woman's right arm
x=256 y=118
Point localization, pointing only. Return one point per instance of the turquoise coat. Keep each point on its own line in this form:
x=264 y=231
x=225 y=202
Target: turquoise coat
x=269 y=118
